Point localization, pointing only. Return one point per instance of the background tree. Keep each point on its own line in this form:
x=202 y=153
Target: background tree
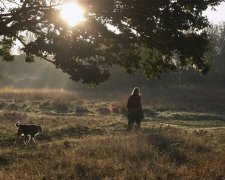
x=216 y=54
x=149 y=33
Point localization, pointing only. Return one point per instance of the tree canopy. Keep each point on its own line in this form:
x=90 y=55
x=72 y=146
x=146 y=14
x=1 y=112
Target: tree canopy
x=150 y=35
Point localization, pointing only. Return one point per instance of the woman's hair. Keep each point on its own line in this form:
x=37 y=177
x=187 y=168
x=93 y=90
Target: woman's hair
x=136 y=91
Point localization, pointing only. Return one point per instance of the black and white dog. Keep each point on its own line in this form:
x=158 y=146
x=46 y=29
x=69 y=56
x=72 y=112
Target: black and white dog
x=29 y=131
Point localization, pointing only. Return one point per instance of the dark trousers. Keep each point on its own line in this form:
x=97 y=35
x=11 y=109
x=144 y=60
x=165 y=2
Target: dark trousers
x=131 y=124
x=134 y=116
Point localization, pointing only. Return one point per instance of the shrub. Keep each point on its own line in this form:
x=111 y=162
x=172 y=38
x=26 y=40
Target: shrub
x=103 y=111
x=60 y=106
x=81 y=110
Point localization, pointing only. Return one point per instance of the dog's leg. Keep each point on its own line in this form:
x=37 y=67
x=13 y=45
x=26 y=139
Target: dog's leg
x=25 y=139
x=34 y=139
x=28 y=139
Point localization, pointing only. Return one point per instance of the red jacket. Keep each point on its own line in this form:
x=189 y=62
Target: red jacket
x=134 y=102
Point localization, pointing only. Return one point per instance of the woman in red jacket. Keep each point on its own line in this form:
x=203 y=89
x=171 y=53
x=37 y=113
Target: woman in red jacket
x=135 y=113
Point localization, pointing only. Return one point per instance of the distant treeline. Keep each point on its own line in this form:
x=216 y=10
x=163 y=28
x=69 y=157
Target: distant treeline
x=42 y=74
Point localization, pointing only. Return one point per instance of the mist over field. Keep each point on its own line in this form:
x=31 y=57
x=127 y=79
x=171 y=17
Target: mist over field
x=43 y=75
x=174 y=89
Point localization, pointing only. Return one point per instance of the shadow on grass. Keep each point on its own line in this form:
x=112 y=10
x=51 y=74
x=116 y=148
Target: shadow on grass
x=165 y=145
x=173 y=145
x=7 y=139
x=182 y=116
x=197 y=117
x=150 y=113
x=77 y=132
x=5 y=159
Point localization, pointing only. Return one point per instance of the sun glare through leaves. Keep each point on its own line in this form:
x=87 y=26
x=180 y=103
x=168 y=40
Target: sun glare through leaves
x=72 y=13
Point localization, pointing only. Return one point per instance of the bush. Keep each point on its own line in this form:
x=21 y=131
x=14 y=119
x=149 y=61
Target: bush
x=60 y=106
x=81 y=110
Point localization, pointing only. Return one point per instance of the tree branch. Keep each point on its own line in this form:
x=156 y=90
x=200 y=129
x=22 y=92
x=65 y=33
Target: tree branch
x=39 y=55
x=24 y=44
x=53 y=62
x=3 y=4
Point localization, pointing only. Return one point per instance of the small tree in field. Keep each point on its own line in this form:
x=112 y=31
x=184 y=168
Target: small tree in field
x=135 y=34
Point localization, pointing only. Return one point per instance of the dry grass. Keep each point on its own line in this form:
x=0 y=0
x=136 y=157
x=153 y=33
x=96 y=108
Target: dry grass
x=15 y=94
x=84 y=139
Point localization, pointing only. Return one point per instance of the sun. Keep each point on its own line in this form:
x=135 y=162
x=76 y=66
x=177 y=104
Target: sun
x=72 y=13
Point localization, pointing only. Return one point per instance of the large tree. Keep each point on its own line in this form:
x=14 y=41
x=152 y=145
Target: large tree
x=151 y=35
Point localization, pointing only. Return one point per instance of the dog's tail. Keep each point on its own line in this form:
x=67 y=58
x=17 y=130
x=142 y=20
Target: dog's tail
x=17 y=124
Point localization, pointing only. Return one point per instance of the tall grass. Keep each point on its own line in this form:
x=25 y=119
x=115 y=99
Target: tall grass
x=170 y=154
x=87 y=139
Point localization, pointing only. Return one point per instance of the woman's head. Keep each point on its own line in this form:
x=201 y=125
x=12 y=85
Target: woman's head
x=136 y=91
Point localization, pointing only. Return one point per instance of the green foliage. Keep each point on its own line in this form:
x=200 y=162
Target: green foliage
x=87 y=51
x=5 y=46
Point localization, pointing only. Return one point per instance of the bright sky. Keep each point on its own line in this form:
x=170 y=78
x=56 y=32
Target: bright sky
x=218 y=16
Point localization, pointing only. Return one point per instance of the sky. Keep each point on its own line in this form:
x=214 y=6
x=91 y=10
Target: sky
x=218 y=16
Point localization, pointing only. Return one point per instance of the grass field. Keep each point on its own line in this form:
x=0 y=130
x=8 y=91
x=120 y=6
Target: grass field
x=87 y=139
